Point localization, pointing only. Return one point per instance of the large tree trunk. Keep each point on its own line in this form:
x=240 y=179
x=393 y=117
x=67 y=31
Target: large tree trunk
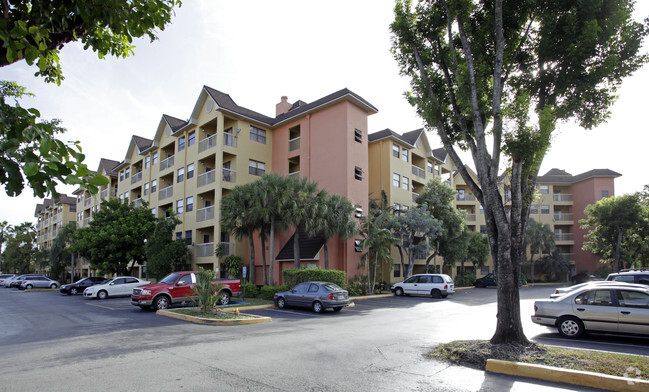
x=618 y=248
x=403 y=266
x=252 y=260
x=296 y=248
x=326 y=255
x=272 y=252
x=263 y=260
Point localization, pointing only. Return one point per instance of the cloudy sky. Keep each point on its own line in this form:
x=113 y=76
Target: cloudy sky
x=257 y=51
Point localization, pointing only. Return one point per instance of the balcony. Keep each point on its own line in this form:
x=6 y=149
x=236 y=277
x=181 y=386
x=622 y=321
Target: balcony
x=86 y=221
x=563 y=237
x=137 y=202
x=207 y=178
x=294 y=175
x=229 y=140
x=418 y=171
x=106 y=192
x=228 y=248
x=415 y=196
x=136 y=177
x=470 y=217
x=229 y=175
x=166 y=193
x=568 y=256
x=562 y=197
x=207 y=143
x=294 y=144
x=563 y=217
x=167 y=163
x=203 y=214
x=465 y=197
x=205 y=250
x=87 y=201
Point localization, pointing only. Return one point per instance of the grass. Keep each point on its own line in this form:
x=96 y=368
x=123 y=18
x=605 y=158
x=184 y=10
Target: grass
x=474 y=353
x=218 y=315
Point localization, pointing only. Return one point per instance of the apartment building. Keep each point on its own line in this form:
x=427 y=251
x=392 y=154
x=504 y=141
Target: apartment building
x=51 y=215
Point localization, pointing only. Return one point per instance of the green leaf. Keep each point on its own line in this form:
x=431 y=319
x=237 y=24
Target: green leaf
x=30 y=169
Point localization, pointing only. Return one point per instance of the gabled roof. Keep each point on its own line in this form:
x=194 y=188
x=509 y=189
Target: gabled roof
x=137 y=145
x=309 y=248
x=558 y=176
x=440 y=154
x=412 y=136
x=225 y=103
x=107 y=166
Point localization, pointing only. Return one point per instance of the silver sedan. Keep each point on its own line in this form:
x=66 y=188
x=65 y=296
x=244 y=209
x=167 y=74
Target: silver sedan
x=315 y=295
x=619 y=309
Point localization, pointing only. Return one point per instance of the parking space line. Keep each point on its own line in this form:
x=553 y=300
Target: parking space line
x=103 y=306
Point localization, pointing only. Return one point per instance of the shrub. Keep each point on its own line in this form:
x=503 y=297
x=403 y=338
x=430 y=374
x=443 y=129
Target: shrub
x=232 y=264
x=268 y=292
x=294 y=276
x=464 y=279
x=206 y=292
x=603 y=271
x=358 y=286
x=251 y=289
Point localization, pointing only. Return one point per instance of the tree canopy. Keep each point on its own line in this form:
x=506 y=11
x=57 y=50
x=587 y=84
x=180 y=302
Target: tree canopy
x=163 y=253
x=495 y=77
x=19 y=248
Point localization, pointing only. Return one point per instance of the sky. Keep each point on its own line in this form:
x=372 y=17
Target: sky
x=258 y=51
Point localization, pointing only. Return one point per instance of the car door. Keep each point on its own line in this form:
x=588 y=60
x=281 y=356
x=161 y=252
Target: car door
x=633 y=307
x=410 y=285
x=295 y=296
x=117 y=287
x=183 y=288
x=424 y=284
x=597 y=310
x=311 y=294
x=129 y=285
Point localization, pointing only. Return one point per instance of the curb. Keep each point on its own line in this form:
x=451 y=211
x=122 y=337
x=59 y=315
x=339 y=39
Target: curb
x=37 y=290
x=208 y=321
x=567 y=376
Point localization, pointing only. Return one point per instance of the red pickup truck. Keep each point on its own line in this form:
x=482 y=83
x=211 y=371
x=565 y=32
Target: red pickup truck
x=176 y=289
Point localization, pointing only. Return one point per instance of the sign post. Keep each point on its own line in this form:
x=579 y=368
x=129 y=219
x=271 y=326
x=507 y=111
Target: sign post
x=244 y=283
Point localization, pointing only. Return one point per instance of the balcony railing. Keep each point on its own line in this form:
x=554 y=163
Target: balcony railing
x=415 y=196
x=136 y=177
x=206 y=178
x=563 y=216
x=86 y=221
x=205 y=250
x=418 y=171
x=228 y=248
x=562 y=197
x=166 y=193
x=465 y=197
x=87 y=201
x=568 y=256
x=294 y=144
x=470 y=217
x=207 y=143
x=564 y=236
x=137 y=202
x=229 y=175
x=294 y=175
x=229 y=140
x=203 y=214
x=105 y=193
x=167 y=163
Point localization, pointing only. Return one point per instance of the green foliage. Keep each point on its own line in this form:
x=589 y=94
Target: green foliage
x=206 y=292
x=29 y=150
x=251 y=289
x=293 y=276
x=464 y=279
x=36 y=30
x=163 y=253
x=60 y=253
x=603 y=271
x=233 y=265
x=555 y=266
x=358 y=286
x=115 y=237
x=19 y=249
x=268 y=292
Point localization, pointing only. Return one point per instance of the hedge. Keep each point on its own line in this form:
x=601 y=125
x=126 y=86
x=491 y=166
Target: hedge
x=293 y=276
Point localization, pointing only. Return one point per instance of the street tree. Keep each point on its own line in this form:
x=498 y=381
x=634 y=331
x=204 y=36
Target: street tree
x=113 y=242
x=554 y=265
x=20 y=248
x=377 y=239
x=164 y=254
x=540 y=238
x=5 y=227
x=61 y=253
x=238 y=217
x=494 y=78
x=610 y=222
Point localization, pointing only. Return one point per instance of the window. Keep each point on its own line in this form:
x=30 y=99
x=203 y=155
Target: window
x=179 y=206
x=181 y=174
x=534 y=209
x=155 y=158
x=358 y=173
x=191 y=138
x=396 y=207
x=483 y=229
x=595 y=297
x=429 y=166
x=153 y=211
x=633 y=299
x=481 y=210
x=396 y=180
x=604 y=194
x=179 y=235
x=404 y=155
x=147 y=162
x=190 y=171
x=257 y=135
x=404 y=183
x=395 y=150
x=73 y=208
x=358 y=135
x=544 y=189
x=181 y=143
x=256 y=168
x=127 y=172
x=461 y=194
x=146 y=189
x=190 y=204
x=154 y=184
x=397 y=271
x=545 y=209
x=188 y=237
x=121 y=175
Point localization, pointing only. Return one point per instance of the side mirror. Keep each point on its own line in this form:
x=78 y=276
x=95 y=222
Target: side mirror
x=180 y=284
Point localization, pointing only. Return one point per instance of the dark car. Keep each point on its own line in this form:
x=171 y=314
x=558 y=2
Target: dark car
x=584 y=277
x=80 y=285
x=490 y=280
x=315 y=295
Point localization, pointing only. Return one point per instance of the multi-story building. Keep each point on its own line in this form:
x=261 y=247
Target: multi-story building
x=51 y=216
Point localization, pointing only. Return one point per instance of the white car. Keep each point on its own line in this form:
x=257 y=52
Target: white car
x=435 y=285
x=121 y=286
x=6 y=277
x=569 y=289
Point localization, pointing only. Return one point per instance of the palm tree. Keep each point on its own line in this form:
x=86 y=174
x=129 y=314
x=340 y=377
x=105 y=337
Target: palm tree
x=237 y=217
x=540 y=239
x=378 y=239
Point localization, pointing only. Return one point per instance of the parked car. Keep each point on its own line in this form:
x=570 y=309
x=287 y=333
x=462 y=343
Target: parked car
x=15 y=282
x=318 y=296
x=616 y=309
x=80 y=285
x=176 y=289
x=435 y=285
x=5 y=277
x=584 y=277
x=640 y=276
x=38 y=282
x=121 y=286
x=490 y=280
x=569 y=289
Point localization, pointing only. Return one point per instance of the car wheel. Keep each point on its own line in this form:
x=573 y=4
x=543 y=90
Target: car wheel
x=338 y=308
x=480 y=285
x=225 y=298
x=29 y=287
x=73 y=291
x=398 y=291
x=281 y=303
x=436 y=294
x=570 y=327
x=53 y=286
x=102 y=294
x=317 y=307
x=161 y=303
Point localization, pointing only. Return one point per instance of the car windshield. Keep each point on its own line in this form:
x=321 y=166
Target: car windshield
x=332 y=287
x=108 y=281
x=170 y=279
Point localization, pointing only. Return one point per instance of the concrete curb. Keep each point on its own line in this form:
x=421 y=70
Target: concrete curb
x=208 y=321
x=567 y=376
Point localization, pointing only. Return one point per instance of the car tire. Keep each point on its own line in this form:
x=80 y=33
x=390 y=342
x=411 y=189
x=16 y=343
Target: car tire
x=338 y=308
x=570 y=327
x=435 y=293
x=73 y=291
x=281 y=303
x=29 y=287
x=317 y=307
x=53 y=286
x=225 y=298
x=161 y=303
x=102 y=294
x=398 y=291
